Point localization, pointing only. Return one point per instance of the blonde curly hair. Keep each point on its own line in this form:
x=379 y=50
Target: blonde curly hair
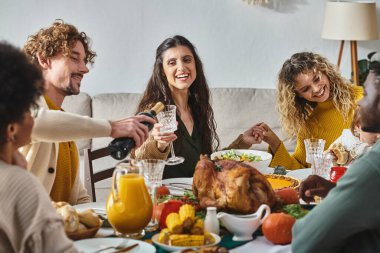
x=295 y=110
x=58 y=38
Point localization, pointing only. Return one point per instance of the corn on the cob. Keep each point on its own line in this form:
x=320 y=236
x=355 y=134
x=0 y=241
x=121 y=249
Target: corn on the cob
x=174 y=223
x=164 y=236
x=197 y=228
x=187 y=216
x=187 y=240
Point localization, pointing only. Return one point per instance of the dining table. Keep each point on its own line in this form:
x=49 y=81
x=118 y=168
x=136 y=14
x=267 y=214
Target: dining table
x=258 y=244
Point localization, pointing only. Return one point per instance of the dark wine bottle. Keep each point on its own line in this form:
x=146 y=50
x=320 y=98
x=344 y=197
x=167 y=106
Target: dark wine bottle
x=119 y=148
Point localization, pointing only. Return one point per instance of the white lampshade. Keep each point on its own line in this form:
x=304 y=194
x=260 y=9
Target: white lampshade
x=346 y=20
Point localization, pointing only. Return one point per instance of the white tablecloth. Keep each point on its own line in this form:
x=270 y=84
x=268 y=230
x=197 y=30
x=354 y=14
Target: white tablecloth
x=262 y=245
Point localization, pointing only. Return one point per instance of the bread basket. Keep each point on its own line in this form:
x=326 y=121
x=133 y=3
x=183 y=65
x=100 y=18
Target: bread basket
x=82 y=234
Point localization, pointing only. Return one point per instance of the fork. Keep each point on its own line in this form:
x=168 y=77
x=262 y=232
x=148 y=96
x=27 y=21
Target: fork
x=127 y=248
x=120 y=246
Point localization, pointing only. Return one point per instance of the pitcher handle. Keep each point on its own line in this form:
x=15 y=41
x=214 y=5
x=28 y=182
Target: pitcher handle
x=260 y=212
x=115 y=190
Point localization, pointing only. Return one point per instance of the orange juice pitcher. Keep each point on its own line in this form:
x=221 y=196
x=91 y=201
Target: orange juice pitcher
x=129 y=205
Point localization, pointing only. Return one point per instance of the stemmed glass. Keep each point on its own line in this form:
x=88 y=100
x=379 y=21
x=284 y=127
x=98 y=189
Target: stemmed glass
x=153 y=170
x=169 y=125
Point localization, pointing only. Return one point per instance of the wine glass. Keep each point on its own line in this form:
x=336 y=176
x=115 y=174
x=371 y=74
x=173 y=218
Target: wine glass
x=129 y=205
x=169 y=125
x=153 y=170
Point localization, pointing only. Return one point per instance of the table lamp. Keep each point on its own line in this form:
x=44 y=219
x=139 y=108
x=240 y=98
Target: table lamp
x=353 y=21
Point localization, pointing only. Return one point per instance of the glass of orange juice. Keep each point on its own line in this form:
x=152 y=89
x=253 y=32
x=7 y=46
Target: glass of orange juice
x=129 y=205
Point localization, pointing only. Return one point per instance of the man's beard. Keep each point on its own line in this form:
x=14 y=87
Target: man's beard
x=369 y=123
x=70 y=90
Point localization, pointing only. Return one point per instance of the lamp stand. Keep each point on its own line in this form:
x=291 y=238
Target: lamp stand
x=354 y=59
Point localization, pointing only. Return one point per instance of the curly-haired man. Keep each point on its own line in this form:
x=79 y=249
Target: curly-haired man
x=62 y=53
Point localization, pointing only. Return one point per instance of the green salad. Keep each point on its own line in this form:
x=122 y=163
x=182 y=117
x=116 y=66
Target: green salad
x=244 y=157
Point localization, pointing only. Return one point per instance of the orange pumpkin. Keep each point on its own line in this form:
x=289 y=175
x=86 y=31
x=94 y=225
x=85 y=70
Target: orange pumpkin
x=288 y=196
x=277 y=228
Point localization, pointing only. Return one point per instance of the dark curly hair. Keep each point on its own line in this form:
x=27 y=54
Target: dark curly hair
x=199 y=93
x=21 y=84
x=58 y=38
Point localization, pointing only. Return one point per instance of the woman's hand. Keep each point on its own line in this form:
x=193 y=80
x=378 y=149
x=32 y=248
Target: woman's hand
x=163 y=139
x=262 y=129
x=19 y=159
x=252 y=136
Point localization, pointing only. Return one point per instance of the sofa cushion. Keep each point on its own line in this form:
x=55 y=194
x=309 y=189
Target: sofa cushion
x=237 y=109
x=112 y=107
x=79 y=104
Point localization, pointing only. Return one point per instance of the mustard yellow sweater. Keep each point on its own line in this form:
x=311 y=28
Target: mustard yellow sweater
x=330 y=124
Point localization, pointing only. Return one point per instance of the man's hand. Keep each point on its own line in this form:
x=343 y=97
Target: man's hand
x=132 y=127
x=314 y=186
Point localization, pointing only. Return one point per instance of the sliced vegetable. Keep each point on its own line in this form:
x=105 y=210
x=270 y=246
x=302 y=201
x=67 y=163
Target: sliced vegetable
x=295 y=210
x=245 y=157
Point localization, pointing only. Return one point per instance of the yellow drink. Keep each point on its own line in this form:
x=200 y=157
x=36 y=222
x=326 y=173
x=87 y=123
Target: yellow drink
x=132 y=209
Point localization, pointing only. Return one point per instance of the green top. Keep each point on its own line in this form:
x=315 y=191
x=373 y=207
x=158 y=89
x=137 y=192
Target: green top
x=348 y=219
x=187 y=146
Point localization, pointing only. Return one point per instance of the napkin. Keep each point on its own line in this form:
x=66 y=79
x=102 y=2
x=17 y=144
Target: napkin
x=260 y=244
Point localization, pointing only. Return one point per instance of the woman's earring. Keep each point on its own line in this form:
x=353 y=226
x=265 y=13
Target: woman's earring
x=12 y=139
x=356 y=133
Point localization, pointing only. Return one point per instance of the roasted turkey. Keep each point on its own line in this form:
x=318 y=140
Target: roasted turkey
x=231 y=186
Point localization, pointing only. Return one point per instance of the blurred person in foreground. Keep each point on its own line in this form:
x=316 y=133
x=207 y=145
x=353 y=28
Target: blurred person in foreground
x=348 y=219
x=28 y=221
x=63 y=53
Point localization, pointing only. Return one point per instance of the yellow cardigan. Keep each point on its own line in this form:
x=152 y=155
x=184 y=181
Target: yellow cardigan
x=330 y=126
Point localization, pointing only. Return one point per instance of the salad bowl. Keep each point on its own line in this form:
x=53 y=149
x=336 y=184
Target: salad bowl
x=255 y=158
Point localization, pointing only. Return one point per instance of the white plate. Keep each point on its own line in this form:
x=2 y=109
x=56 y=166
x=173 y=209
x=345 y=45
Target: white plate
x=266 y=170
x=94 y=244
x=174 y=248
x=98 y=207
x=300 y=174
x=181 y=182
x=265 y=156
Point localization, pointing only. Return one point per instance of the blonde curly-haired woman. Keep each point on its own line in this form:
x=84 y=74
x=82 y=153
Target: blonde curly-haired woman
x=314 y=101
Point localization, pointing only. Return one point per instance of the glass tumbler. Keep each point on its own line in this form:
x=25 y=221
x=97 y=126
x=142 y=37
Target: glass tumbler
x=313 y=147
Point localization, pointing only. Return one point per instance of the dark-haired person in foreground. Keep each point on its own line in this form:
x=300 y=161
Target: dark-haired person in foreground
x=28 y=221
x=348 y=219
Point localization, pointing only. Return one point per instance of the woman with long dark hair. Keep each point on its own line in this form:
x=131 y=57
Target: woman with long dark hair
x=178 y=79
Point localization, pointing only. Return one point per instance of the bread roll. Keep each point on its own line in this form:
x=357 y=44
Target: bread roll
x=81 y=228
x=70 y=218
x=340 y=152
x=89 y=218
x=59 y=204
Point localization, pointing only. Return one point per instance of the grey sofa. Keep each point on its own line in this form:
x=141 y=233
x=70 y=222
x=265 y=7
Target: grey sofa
x=235 y=109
